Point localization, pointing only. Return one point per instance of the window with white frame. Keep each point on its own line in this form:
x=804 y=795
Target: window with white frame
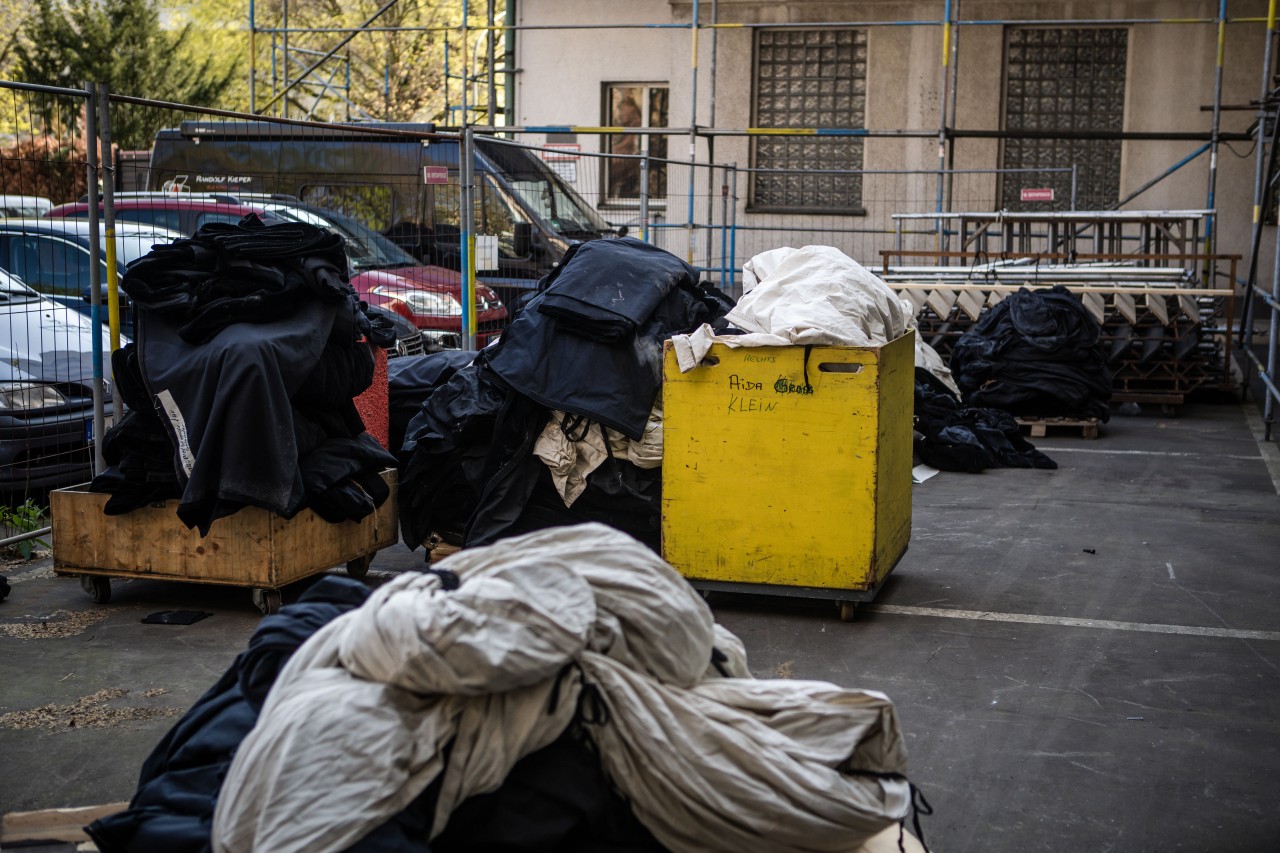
x=809 y=79
x=635 y=105
x=1064 y=79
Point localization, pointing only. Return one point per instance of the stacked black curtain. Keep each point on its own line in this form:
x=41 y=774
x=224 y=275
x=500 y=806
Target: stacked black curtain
x=248 y=355
x=590 y=344
x=1035 y=354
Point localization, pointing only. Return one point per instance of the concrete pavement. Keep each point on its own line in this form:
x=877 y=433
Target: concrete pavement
x=1086 y=658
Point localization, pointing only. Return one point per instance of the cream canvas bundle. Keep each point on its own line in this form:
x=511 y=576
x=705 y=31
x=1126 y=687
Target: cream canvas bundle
x=355 y=726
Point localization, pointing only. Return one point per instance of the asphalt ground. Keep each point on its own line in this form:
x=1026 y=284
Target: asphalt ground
x=1086 y=658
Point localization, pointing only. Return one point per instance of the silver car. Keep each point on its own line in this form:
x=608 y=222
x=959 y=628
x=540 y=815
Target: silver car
x=46 y=390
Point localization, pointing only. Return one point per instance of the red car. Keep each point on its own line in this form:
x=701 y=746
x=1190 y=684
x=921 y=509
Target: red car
x=382 y=273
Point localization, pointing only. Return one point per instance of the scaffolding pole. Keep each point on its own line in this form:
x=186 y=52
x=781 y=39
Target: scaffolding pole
x=942 y=123
x=1210 y=229
x=1261 y=156
x=691 y=234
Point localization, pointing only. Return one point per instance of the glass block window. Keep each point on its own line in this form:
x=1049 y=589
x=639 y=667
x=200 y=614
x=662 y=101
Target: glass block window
x=1064 y=79
x=804 y=79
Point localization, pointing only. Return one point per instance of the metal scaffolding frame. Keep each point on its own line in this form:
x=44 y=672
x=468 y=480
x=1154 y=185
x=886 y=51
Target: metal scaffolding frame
x=480 y=117
x=1266 y=181
x=468 y=108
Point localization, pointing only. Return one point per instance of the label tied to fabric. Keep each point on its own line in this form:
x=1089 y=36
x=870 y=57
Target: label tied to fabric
x=170 y=408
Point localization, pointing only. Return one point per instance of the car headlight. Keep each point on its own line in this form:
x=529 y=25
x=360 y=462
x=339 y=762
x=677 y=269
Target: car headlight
x=27 y=396
x=424 y=301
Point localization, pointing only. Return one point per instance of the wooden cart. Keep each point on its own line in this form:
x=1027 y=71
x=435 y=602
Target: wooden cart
x=253 y=548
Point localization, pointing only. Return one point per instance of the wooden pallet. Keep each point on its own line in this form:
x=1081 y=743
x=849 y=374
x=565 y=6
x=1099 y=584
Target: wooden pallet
x=53 y=829
x=60 y=830
x=1039 y=426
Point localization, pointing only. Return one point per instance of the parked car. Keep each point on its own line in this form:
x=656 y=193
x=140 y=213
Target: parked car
x=382 y=273
x=24 y=205
x=52 y=257
x=184 y=213
x=46 y=396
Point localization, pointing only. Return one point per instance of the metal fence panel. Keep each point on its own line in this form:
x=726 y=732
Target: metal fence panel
x=47 y=378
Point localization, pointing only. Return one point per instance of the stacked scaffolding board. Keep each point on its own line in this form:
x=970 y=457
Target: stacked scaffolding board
x=1065 y=233
x=1161 y=341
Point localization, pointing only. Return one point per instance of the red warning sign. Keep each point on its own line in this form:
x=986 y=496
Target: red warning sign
x=1039 y=194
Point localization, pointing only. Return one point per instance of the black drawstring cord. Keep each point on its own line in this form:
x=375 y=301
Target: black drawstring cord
x=718 y=659
x=575 y=427
x=555 y=688
x=919 y=805
x=592 y=710
x=808 y=348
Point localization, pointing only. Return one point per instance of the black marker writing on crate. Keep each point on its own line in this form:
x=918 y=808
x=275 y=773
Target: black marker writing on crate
x=751 y=404
x=785 y=386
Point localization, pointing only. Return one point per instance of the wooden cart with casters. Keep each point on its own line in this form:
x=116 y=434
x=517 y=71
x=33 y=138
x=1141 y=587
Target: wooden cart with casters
x=253 y=548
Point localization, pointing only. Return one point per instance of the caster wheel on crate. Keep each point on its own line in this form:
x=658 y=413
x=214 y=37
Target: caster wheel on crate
x=267 y=600
x=848 y=609
x=359 y=567
x=98 y=587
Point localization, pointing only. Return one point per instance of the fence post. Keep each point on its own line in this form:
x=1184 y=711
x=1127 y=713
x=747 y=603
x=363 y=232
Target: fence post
x=733 y=228
x=109 y=215
x=95 y=276
x=644 y=196
x=1075 y=177
x=467 y=176
x=724 y=227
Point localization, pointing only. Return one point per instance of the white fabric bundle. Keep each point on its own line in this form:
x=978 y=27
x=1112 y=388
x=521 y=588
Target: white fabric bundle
x=732 y=762
x=816 y=296
x=354 y=727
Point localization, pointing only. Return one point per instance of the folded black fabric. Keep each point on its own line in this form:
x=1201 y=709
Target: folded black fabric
x=1036 y=353
x=413 y=379
x=136 y=448
x=605 y=290
x=613 y=383
x=954 y=437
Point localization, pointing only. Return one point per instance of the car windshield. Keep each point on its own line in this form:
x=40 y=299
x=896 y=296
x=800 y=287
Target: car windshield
x=366 y=248
x=13 y=290
x=559 y=205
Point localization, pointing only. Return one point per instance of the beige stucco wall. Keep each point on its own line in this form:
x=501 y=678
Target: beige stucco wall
x=1171 y=75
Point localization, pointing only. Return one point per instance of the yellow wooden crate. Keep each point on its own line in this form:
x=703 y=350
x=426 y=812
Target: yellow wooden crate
x=776 y=482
